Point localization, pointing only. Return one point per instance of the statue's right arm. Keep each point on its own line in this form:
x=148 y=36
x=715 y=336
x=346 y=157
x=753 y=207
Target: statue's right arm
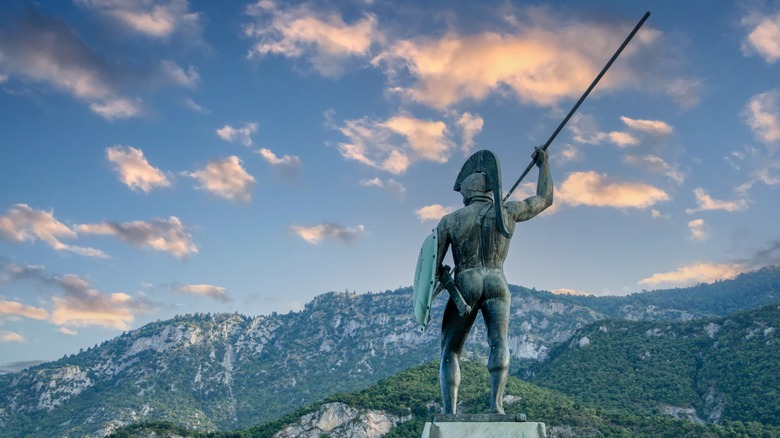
x=531 y=206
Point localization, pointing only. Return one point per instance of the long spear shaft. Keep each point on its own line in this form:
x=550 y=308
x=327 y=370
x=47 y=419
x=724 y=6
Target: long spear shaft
x=582 y=99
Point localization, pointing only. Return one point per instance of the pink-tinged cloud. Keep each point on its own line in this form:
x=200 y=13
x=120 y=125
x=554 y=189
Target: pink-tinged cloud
x=289 y=165
x=762 y=114
x=653 y=127
x=433 y=212
x=323 y=38
x=226 y=178
x=23 y=223
x=158 y=19
x=656 y=164
x=599 y=190
x=391 y=185
x=134 y=170
x=470 y=125
x=763 y=38
x=178 y=76
x=316 y=234
x=698 y=230
x=693 y=274
x=14 y=308
x=165 y=235
x=8 y=336
x=204 y=290
x=706 y=203
x=67 y=331
x=242 y=135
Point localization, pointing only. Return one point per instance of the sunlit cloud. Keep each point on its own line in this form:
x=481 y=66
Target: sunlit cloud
x=705 y=202
x=134 y=170
x=433 y=212
x=322 y=38
x=693 y=274
x=391 y=185
x=686 y=92
x=225 y=178
x=195 y=106
x=762 y=114
x=8 y=336
x=152 y=18
x=242 y=135
x=394 y=144
x=698 y=231
x=46 y=50
x=25 y=224
x=763 y=38
x=656 y=164
x=165 y=235
x=67 y=331
x=656 y=214
x=178 y=76
x=205 y=290
x=653 y=127
x=289 y=165
x=14 y=308
x=541 y=61
x=584 y=130
x=328 y=231
x=470 y=125
x=599 y=190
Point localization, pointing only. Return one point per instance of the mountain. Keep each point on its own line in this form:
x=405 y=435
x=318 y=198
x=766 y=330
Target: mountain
x=707 y=370
x=227 y=371
x=400 y=405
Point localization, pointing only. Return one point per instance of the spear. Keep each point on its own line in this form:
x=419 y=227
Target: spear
x=579 y=102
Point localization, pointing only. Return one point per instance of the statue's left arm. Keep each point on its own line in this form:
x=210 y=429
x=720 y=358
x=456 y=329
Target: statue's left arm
x=530 y=207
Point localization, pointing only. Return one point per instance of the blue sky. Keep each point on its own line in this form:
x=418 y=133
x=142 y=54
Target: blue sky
x=161 y=157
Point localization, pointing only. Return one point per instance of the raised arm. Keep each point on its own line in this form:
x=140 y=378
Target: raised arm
x=530 y=207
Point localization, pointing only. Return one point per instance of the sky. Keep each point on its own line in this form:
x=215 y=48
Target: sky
x=164 y=157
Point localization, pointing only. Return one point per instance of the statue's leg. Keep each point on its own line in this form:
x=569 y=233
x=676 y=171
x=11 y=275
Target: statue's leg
x=454 y=330
x=495 y=311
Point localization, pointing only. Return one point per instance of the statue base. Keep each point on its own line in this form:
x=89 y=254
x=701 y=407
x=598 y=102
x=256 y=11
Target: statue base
x=483 y=426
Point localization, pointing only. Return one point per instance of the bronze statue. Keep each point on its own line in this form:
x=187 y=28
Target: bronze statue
x=479 y=234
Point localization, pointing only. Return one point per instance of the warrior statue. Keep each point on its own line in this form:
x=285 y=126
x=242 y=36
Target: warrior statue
x=479 y=234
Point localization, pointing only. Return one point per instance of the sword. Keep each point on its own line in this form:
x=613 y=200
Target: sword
x=579 y=102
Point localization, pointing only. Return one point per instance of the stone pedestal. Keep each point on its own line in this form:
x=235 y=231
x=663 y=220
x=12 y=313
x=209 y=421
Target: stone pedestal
x=483 y=426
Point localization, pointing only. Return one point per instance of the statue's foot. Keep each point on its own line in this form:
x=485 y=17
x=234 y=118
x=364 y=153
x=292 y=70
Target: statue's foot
x=498 y=410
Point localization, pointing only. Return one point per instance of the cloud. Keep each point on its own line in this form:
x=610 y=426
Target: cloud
x=470 y=125
x=698 y=231
x=225 y=178
x=762 y=114
x=243 y=135
x=693 y=274
x=394 y=144
x=158 y=234
x=565 y=291
x=328 y=231
x=391 y=185
x=178 y=76
x=599 y=190
x=323 y=38
x=158 y=19
x=6 y=336
x=584 y=130
x=433 y=212
x=655 y=164
x=655 y=214
x=706 y=203
x=13 y=308
x=289 y=165
x=23 y=223
x=540 y=61
x=205 y=290
x=83 y=306
x=191 y=104
x=43 y=49
x=652 y=127
x=764 y=36
x=68 y=331
x=685 y=91
x=134 y=170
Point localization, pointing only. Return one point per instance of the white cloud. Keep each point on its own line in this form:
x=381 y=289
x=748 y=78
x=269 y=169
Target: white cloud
x=158 y=234
x=391 y=185
x=470 y=125
x=195 y=106
x=151 y=18
x=764 y=36
x=685 y=91
x=299 y=32
x=177 y=75
x=698 y=231
x=585 y=130
x=762 y=114
x=394 y=144
x=68 y=331
x=328 y=231
x=599 y=190
x=655 y=214
x=243 y=135
x=693 y=274
x=289 y=165
x=205 y=290
x=706 y=203
x=225 y=178
x=652 y=127
x=13 y=308
x=23 y=223
x=112 y=109
x=8 y=336
x=655 y=164
x=134 y=170
x=433 y=212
